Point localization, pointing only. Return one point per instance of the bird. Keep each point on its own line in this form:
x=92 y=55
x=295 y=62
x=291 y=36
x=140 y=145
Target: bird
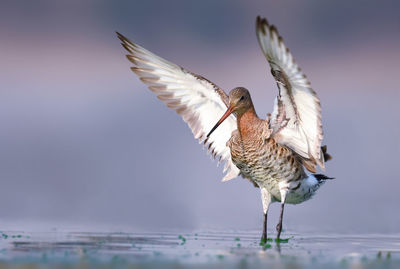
x=279 y=154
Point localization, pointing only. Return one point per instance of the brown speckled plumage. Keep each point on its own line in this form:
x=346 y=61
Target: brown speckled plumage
x=260 y=159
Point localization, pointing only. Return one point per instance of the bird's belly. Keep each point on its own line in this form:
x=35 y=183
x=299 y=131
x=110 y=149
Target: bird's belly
x=267 y=164
x=261 y=176
x=298 y=190
x=299 y=195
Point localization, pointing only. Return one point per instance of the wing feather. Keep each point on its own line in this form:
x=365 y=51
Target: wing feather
x=296 y=118
x=199 y=101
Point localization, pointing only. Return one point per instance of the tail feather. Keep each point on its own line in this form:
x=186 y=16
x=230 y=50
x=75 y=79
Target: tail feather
x=321 y=177
x=327 y=156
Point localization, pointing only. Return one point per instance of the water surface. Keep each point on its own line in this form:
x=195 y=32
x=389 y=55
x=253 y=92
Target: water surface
x=222 y=249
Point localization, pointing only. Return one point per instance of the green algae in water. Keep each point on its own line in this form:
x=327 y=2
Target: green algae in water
x=220 y=257
x=182 y=238
x=16 y=236
x=282 y=240
x=264 y=243
x=237 y=239
x=238 y=245
x=379 y=256
x=5 y=236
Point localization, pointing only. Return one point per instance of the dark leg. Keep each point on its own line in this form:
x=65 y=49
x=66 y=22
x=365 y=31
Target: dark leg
x=279 y=226
x=264 y=234
x=266 y=199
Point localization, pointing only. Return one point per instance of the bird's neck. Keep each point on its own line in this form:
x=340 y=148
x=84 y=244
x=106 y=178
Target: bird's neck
x=248 y=122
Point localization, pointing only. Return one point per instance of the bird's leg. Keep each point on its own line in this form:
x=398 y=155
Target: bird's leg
x=264 y=234
x=266 y=201
x=279 y=226
x=283 y=188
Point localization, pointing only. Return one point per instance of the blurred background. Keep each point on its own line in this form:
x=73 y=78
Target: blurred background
x=83 y=142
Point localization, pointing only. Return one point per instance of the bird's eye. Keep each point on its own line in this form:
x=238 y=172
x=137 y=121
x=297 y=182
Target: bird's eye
x=241 y=98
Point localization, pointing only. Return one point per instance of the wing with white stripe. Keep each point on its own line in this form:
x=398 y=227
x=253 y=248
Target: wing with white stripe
x=197 y=100
x=296 y=119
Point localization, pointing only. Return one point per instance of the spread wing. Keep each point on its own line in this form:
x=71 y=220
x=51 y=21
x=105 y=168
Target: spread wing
x=296 y=118
x=197 y=100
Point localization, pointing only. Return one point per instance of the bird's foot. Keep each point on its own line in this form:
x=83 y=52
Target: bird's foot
x=263 y=238
x=264 y=242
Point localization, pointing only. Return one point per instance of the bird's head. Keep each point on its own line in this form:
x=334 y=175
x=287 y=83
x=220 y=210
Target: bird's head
x=239 y=102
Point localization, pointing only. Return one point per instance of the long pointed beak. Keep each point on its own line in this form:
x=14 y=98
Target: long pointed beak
x=227 y=113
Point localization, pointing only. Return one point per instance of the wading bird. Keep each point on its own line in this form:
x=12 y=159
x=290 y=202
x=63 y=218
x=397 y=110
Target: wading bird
x=273 y=154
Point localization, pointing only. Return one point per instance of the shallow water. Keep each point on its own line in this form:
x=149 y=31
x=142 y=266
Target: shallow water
x=222 y=249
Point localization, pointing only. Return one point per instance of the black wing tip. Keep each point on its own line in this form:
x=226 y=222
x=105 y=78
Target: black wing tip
x=126 y=43
x=124 y=39
x=261 y=24
x=321 y=177
x=262 y=21
x=121 y=36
